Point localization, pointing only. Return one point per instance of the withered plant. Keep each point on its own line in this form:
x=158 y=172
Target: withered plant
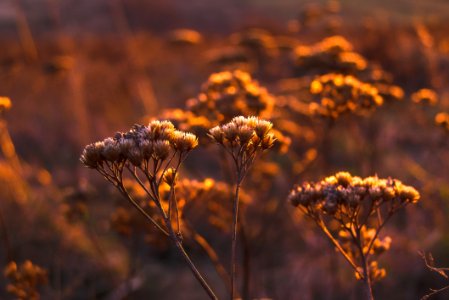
x=243 y=139
x=25 y=280
x=361 y=207
x=150 y=155
x=443 y=272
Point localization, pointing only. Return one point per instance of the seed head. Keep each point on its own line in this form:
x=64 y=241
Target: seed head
x=245 y=133
x=184 y=141
x=91 y=156
x=170 y=176
x=161 y=149
x=268 y=141
x=217 y=134
x=111 y=150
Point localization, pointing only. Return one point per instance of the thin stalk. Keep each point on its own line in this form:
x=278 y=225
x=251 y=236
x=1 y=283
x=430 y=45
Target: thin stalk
x=234 y=236
x=367 y=290
x=213 y=256
x=178 y=243
x=187 y=259
x=141 y=210
x=338 y=246
x=246 y=260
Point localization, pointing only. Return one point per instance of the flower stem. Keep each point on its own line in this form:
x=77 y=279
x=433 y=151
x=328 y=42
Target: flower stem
x=234 y=237
x=178 y=243
x=367 y=290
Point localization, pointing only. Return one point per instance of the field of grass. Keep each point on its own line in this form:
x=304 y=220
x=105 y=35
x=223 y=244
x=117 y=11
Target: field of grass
x=286 y=150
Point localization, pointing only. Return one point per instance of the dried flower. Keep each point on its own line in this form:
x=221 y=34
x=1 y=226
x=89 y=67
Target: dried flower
x=352 y=202
x=152 y=156
x=229 y=94
x=442 y=119
x=425 y=96
x=244 y=138
x=338 y=94
x=5 y=104
x=25 y=279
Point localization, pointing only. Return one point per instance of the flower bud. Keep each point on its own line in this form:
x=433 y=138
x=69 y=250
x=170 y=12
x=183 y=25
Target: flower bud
x=161 y=149
x=170 y=176
x=268 y=141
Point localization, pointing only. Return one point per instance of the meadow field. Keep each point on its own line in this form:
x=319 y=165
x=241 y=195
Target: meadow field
x=224 y=149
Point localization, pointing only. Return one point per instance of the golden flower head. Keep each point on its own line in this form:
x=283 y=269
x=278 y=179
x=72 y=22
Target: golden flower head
x=155 y=141
x=245 y=132
x=5 y=104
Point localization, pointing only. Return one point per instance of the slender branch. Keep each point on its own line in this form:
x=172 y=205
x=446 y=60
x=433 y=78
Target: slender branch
x=234 y=235
x=338 y=246
x=122 y=189
x=366 y=278
x=433 y=292
x=213 y=256
x=176 y=240
x=370 y=245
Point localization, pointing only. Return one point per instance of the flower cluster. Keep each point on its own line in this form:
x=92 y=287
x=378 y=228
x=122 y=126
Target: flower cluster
x=185 y=36
x=331 y=54
x=343 y=194
x=139 y=146
x=338 y=94
x=5 y=104
x=243 y=138
x=442 y=119
x=390 y=92
x=229 y=94
x=354 y=203
x=425 y=96
x=25 y=280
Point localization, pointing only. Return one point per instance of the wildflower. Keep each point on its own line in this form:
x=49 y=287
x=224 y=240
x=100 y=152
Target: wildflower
x=152 y=156
x=185 y=36
x=425 y=96
x=337 y=94
x=5 y=104
x=229 y=94
x=442 y=119
x=352 y=202
x=25 y=279
x=243 y=138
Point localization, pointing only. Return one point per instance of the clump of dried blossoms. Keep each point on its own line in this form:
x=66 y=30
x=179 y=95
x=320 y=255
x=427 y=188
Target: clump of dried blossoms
x=25 y=280
x=243 y=139
x=442 y=119
x=185 y=36
x=228 y=94
x=5 y=104
x=334 y=53
x=151 y=155
x=425 y=96
x=224 y=96
x=361 y=207
x=338 y=94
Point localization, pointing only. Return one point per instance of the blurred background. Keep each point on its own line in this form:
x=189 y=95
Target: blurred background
x=78 y=71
